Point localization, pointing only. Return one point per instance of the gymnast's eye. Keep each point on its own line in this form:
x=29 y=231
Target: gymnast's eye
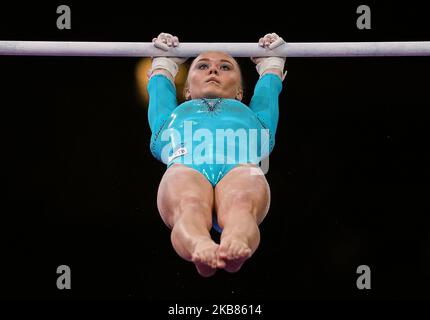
x=225 y=67
x=202 y=66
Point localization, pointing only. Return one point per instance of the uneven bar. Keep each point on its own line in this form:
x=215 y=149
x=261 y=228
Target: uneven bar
x=147 y=49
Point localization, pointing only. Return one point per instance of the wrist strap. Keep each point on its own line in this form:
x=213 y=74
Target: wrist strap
x=271 y=63
x=166 y=64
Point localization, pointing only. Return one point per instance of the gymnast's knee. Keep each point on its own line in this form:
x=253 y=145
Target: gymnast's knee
x=193 y=205
x=239 y=200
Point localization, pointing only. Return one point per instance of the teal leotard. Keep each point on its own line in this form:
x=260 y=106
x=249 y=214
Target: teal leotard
x=213 y=136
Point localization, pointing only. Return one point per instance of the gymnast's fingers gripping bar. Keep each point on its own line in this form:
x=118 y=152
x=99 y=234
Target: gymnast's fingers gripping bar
x=147 y=49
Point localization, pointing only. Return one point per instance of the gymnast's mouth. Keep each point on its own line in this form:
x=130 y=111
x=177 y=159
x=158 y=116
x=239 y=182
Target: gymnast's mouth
x=212 y=80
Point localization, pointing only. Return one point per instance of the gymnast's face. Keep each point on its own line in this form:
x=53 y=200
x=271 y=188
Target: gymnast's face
x=214 y=75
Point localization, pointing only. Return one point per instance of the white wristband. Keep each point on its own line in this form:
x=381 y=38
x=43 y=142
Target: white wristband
x=166 y=64
x=271 y=63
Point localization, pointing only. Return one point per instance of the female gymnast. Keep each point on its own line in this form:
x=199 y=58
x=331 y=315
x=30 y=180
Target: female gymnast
x=223 y=193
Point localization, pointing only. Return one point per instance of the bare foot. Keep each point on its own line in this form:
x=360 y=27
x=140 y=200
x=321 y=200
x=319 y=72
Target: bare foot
x=205 y=257
x=233 y=252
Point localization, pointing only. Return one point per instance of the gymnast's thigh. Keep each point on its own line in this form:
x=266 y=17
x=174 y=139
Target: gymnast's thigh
x=242 y=188
x=182 y=185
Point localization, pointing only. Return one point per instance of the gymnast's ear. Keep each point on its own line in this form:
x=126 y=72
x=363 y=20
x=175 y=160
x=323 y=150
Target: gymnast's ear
x=187 y=93
x=239 y=94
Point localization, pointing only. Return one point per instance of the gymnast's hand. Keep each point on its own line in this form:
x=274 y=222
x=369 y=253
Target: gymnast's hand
x=270 y=64
x=166 y=41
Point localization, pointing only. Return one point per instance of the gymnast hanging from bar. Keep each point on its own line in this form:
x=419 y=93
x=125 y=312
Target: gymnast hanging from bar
x=216 y=188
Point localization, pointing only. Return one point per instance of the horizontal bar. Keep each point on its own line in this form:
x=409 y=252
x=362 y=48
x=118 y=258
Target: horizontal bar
x=147 y=49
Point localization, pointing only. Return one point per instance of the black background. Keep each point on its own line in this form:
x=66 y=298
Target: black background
x=349 y=173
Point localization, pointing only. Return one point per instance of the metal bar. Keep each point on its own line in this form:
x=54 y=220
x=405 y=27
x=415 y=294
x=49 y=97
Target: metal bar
x=147 y=49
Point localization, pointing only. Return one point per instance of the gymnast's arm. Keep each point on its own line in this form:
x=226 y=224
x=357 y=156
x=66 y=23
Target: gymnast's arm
x=266 y=93
x=161 y=86
x=265 y=101
x=162 y=99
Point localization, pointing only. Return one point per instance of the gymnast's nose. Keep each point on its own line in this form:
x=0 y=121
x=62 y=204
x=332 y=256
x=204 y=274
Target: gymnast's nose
x=213 y=70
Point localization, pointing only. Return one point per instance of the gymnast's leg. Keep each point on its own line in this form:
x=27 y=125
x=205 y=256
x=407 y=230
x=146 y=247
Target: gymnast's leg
x=185 y=203
x=242 y=201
